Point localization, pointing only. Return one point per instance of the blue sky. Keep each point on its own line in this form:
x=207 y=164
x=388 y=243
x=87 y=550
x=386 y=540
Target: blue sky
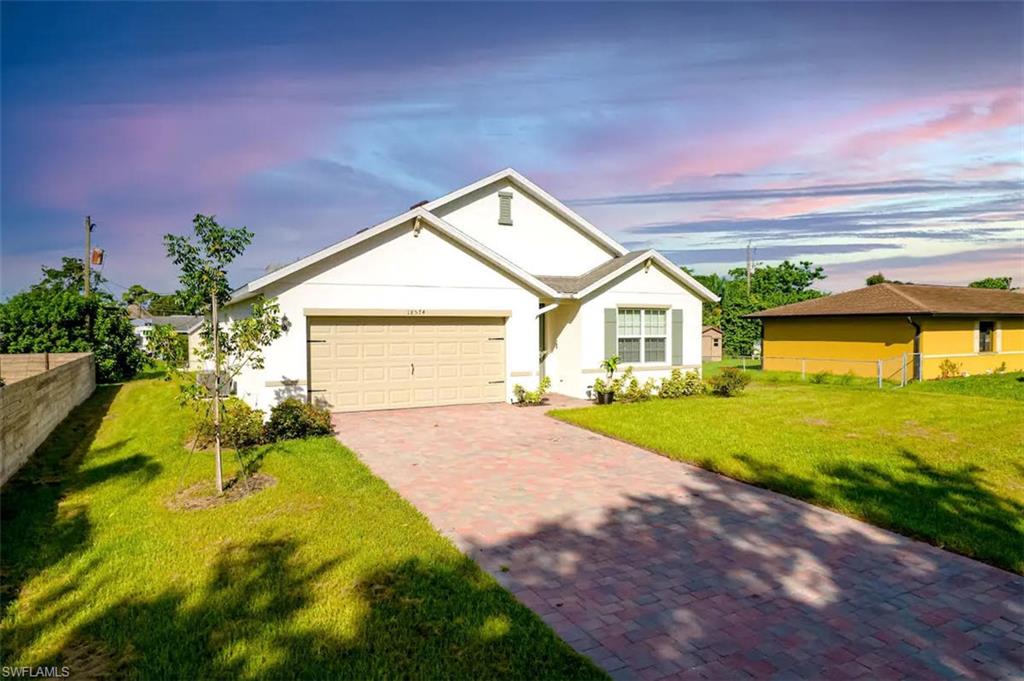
x=862 y=136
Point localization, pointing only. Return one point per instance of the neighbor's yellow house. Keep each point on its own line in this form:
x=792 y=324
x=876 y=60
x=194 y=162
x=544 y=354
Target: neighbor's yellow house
x=898 y=330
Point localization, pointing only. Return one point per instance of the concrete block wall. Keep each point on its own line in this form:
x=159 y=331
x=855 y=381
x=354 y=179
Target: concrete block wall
x=21 y=366
x=33 y=405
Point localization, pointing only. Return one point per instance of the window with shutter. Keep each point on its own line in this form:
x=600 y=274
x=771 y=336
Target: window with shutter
x=641 y=335
x=504 y=208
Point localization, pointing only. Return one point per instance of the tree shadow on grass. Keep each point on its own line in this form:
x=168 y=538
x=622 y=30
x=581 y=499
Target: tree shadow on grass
x=722 y=580
x=37 y=531
x=410 y=620
x=952 y=508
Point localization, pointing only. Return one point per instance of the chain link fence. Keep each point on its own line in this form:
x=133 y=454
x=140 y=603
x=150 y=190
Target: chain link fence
x=897 y=370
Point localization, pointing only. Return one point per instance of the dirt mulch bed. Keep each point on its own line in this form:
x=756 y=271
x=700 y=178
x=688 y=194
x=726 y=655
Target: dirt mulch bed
x=202 y=495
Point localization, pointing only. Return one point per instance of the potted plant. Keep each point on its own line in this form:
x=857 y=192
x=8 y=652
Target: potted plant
x=606 y=391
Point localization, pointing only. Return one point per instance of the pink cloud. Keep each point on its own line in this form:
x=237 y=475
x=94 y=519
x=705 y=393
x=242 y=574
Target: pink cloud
x=177 y=150
x=960 y=119
x=841 y=144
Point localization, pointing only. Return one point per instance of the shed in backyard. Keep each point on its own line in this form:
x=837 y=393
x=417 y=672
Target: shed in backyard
x=711 y=344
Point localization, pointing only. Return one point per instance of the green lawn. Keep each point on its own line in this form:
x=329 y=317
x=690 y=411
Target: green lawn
x=753 y=368
x=944 y=468
x=1008 y=386
x=328 y=574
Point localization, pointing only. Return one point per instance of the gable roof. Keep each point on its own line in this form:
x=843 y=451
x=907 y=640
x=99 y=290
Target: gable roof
x=419 y=213
x=182 y=323
x=550 y=202
x=577 y=284
x=905 y=299
x=586 y=283
x=550 y=286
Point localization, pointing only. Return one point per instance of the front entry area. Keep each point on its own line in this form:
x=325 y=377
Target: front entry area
x=370 y=362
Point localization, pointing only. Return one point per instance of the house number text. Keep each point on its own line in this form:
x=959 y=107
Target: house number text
x=416 y=312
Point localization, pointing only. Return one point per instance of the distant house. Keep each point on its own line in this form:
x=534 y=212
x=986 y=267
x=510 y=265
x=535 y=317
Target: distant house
x=979 y=330
x=712 y=344
x=185 y=325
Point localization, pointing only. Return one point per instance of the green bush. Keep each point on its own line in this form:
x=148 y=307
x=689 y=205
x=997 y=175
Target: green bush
x=292 y=419
x=241 y=426
x=53 y=315
x=845 y=379
x=729 y=382
x=681 y=385
x=628 y=388
x=524 y=396
x=950 y=369
x=820 y=377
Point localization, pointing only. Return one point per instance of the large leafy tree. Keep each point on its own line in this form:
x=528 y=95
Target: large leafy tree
x=993 y=282
x=69 y=277
x=769 y=286
x=716 y=284
x=137 y=294
x=53 y=315
x=156 y=304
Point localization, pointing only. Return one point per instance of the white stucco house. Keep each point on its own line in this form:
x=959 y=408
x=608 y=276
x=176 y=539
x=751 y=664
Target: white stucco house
x=188 y=326
x=459 y=298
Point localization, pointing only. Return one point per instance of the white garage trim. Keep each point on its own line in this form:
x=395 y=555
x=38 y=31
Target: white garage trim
x=359 y=312
x=362 y=363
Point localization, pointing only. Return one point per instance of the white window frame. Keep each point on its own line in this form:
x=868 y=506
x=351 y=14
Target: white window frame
x=643 y=335
x=991 y=337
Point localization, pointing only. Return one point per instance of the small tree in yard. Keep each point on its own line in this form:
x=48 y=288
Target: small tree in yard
x=203 y=259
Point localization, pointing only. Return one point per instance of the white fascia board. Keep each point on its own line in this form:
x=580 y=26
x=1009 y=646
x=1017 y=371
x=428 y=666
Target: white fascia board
x=667 y=265
x=549 y=201
x=679 y=273
x=255 y=286
x=547 y=308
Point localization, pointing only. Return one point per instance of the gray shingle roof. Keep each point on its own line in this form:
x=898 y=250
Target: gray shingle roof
x=564 y=284
x=181 y=322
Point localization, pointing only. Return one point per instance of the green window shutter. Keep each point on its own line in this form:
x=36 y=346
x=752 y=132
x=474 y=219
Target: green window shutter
x=677 y=337
x=610 y=336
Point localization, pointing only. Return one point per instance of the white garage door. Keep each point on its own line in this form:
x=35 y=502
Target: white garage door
x=359 y=363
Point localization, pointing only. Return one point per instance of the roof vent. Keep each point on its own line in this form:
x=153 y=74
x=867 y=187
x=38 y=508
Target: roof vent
x=418 y=204
x=504 y=208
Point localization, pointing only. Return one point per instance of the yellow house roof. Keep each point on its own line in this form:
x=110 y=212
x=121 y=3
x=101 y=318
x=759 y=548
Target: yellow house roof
x=905 y=299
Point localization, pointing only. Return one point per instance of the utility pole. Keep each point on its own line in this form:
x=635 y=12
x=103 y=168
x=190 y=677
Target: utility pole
x=87 y=262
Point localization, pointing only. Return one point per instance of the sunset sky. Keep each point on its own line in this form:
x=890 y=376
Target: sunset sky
x=863 y=137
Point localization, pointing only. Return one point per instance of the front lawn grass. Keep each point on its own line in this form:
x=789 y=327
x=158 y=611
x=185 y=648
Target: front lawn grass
x=944 y=468
x=327 y=574
x=1008 y=386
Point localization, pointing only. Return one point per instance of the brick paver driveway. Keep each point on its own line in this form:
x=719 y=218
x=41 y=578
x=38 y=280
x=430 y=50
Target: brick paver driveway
x=655 y=568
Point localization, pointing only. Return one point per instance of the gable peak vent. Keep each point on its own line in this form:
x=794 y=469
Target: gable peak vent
x=505 y=208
